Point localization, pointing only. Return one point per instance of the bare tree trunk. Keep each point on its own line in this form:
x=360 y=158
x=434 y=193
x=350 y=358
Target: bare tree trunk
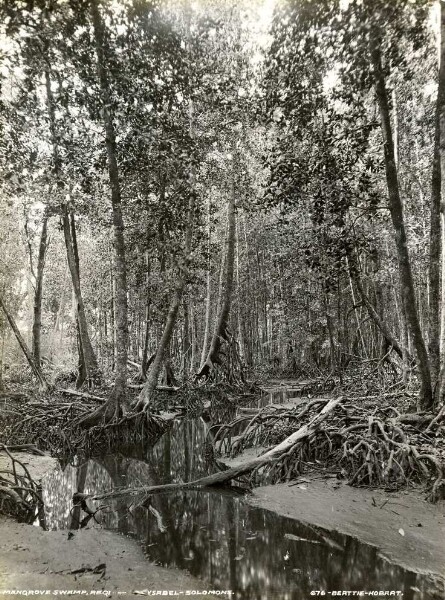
x=85 y=371
x=89 y=357
x=396 y=209
x=186 y=345
x=205 y=343
x=32 y=363
x=2 y=355
x=221 y=331
x=389 y=338
x=38 y=293
x=435 y=219
x=439 y=246
x=194 y=338
x=144 y=361
x=86 y=349
x=120 y=383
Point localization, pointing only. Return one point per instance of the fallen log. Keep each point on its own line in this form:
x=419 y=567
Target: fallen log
x=229 y=474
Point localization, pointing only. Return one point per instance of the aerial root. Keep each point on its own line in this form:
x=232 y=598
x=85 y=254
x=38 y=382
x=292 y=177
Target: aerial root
x=381 y=448
x=62 y=426
x=19 y=493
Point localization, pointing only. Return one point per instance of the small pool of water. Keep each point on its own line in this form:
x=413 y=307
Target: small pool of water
x=215 y=534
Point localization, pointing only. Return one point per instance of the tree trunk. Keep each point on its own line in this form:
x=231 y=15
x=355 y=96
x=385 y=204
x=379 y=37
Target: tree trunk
x=389 y=338
x=205 y=343
x=221 y=331
x=89 y=357
x=437 y=202
x=186 y=343
x=120 y=383
x=434 y=305
x=2 y=354
x=38 y=293
x=396 y=209
x=85 y=371
x=35 y=367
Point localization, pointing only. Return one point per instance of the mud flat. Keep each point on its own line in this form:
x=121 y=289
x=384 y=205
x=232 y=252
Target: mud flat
x=407 y=530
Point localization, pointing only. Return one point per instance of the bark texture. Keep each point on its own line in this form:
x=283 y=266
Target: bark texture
x=38 y=293
x=86 y=350
x=434 y=304
x=396 y=209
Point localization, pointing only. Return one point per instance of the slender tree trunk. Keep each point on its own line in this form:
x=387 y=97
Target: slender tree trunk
x=221 y=331
x=88 y=367
x=38 y=293
x=194 y=338
x=436 y=234
x=186 y=345
x=86 y=350
x=35 y=367
x=89 y=358
x=389 y=338
x=2 y=354
x=239 y=318
x=396 y=210
x=207 y=318
x=120 y=383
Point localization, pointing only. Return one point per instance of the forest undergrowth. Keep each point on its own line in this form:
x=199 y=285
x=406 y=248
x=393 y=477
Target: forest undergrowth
x=369 y=435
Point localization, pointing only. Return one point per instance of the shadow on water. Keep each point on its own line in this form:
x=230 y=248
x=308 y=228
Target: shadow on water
x=215 y=535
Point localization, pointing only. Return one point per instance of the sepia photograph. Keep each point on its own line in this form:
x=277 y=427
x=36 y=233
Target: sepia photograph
x=222 y=299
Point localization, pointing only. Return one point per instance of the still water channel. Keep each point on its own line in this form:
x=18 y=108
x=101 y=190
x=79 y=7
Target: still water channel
x=215 y=534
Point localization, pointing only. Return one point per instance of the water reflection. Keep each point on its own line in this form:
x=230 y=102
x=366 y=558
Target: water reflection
x=215 y=535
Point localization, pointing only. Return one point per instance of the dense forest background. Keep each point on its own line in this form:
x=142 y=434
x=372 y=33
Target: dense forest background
x=218 y=189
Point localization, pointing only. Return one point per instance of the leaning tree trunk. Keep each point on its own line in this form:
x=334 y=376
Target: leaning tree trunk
x=221 y=333
x=37 y=321
x=396 y=209
x=35 y=367
x=121 y=302
x=389 y=339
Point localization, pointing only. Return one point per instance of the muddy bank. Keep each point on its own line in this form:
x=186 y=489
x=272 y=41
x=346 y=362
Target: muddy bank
x=91 y=559
x=408 y=530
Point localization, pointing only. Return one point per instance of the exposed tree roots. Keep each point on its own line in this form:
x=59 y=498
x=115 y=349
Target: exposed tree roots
x=368 y=447
x=19 y=493
x=377 y=447
x=58 y=425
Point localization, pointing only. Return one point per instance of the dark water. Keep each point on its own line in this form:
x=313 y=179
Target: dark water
x=215 y=535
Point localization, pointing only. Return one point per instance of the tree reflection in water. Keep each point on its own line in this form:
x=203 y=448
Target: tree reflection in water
x=215 y=535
